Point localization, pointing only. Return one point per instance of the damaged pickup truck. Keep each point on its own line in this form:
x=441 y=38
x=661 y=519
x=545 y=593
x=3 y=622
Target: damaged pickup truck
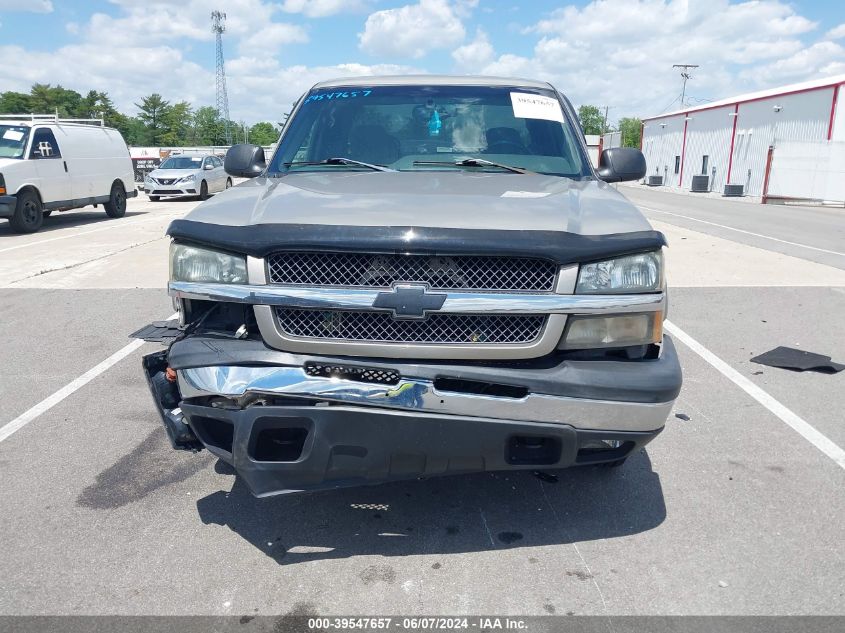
x=428 y=277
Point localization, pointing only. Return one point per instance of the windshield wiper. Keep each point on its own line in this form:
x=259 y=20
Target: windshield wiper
x=474 y=162
x=339 y=160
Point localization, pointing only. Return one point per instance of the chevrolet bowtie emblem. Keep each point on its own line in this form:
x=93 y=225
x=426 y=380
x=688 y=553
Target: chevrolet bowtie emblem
x=409 y=302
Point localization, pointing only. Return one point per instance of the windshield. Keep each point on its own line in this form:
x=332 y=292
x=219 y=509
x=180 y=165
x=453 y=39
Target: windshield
x=182 y=162
x=415 y=128
x=13 y=140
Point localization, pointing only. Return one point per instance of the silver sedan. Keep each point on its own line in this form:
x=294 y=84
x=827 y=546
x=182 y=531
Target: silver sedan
x=187 y=175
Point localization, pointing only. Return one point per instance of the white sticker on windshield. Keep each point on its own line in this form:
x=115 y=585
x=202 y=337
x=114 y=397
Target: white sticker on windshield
x=12 y=135
x=196 y=159
x=528 y=106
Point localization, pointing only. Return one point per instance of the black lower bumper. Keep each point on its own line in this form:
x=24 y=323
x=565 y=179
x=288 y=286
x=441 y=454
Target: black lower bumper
x=287 y=444
x=279 y=450
x=297 y=447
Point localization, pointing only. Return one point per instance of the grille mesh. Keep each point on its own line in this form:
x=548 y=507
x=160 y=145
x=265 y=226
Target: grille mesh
x=466 y=272
x=381 y=327
x=358 y=374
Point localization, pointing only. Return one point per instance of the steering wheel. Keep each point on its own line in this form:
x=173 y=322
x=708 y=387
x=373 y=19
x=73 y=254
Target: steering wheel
x=506 y=147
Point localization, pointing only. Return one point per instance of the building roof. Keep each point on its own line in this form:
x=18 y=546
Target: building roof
x=805 y=86
x=430 y=80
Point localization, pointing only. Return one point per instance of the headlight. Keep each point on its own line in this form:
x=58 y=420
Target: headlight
x=624 y=330
x=629 y=274
x=189 y=263
x=188 y=178
x=148 y=179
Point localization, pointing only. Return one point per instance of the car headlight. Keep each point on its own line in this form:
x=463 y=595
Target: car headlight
x=628 y=274
x=188 y=178
x=189 y=263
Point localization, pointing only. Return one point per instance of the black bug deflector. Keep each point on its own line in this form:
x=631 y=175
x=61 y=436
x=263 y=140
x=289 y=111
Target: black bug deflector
x=260 y=240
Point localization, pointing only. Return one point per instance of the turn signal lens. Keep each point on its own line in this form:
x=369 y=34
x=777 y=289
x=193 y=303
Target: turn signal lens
x=590 y=332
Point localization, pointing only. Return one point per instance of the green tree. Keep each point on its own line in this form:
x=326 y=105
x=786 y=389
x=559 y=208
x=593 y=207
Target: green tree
x=15 y=103
x=133 y=131
x=263 y=133
x=47 y=99
x=153 y=113
x=178 y=120
x=208 y=126
x=591 y=119
x=631 y=128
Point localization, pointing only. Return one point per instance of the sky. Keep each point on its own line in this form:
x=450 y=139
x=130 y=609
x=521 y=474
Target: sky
x=609 y=53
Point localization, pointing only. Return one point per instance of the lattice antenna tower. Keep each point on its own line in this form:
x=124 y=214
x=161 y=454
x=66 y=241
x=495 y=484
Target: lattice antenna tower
x=218 y=27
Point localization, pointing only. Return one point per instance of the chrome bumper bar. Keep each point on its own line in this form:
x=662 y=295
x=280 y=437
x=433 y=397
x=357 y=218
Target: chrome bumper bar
x=456 y=302
x=420 y=395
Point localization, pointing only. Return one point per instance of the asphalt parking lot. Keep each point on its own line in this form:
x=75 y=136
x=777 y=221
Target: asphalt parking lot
x=737 y=508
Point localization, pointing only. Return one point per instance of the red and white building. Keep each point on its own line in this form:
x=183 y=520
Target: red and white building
x=737 y=140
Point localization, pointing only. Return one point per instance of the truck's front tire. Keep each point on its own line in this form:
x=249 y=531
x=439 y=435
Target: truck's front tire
x=29 y=215
x=116 y=206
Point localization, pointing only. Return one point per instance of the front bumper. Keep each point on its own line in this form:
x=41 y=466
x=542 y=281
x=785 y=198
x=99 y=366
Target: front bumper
x=187 y=189
x=286 y=430
x=7 y=206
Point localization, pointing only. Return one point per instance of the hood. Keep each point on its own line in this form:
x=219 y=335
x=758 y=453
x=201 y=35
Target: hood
x=449 y=200
x=172 y=173
x=8 y=162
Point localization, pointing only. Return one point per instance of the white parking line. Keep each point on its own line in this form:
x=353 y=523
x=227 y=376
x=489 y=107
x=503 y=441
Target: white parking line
x=75 y=385
x=111 y=225
x=798 y=424
x=731 y=228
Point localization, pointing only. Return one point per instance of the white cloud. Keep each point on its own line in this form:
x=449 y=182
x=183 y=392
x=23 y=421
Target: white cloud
x=608 y=52
x=271 y=37
x=827 y=57
x=620 y=52
x=412 y=30
x=29 y=6
x=263 y=90
x=324 y=8
x=476 y=54
x=171 y=20
x=83 y=67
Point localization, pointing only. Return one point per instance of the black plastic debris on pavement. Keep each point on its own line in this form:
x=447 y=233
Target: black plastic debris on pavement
x=547 y=477
x=158 y=332
x=683 y=416
x=798 y=360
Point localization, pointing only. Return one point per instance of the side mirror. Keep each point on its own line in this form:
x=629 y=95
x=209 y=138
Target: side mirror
x=621 y=163
x=208 y=167
x=245 y=160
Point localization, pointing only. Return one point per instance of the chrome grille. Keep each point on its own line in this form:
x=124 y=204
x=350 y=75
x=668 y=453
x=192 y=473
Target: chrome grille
x=366 y=270
x=381 y=327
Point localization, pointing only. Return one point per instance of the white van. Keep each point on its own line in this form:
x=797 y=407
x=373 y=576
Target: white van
x=50 y=164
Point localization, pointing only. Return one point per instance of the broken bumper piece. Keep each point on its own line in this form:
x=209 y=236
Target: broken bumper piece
x=289 y=423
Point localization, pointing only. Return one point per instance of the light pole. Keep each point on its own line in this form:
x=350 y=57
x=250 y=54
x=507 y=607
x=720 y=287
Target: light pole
x=685 y=68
